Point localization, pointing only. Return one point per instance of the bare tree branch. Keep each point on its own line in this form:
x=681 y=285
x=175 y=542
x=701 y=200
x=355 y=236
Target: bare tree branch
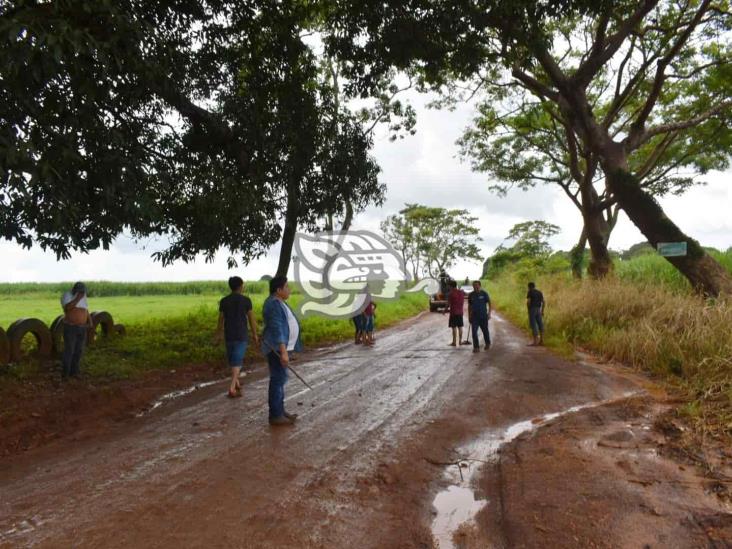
x=655 y=156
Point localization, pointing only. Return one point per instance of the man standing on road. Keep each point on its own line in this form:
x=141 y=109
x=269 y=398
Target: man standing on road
x=456 y=301
x=281 y=335
x=535 y=304
x=479 y=312
x=77 y=322
x=234 y=311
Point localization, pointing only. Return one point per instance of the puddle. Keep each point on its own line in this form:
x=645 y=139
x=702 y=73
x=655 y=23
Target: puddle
x=458 y=504
x=179 y=393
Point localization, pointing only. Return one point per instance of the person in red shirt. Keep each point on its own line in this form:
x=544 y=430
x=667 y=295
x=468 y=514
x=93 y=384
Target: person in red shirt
x=456 y=302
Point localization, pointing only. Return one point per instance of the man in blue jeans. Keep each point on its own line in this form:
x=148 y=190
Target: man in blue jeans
x=281 y=335
x=234 y=312
x=77 y=323
x=479 y=312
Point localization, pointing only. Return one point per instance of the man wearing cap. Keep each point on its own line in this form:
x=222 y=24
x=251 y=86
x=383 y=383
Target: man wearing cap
x=77 y=322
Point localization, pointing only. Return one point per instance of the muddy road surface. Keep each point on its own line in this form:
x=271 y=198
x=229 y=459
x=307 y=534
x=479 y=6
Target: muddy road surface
x=408 y=444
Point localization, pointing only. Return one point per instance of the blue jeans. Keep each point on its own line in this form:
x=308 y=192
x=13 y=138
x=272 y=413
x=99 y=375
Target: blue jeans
x=277 y=380
x=482 y=323
x=74 y=340
x=536 y=321
x=235 y=351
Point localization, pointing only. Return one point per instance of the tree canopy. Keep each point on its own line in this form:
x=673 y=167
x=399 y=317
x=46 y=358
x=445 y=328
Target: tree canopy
x=432 y=239
x=665 y=67
x=200 y=120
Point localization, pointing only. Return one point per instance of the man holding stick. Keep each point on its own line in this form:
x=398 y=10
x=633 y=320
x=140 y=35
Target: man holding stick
x=281 y=335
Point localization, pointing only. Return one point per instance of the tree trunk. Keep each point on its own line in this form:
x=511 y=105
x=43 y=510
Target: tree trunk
x=577 y=254
x=704 y=273
x=288 y=233
x=349 y=216
x=596 y=229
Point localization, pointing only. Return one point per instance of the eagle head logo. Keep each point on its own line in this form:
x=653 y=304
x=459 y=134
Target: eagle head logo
x=340 y=271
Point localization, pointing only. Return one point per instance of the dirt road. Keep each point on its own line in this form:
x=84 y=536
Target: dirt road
x=408 y=444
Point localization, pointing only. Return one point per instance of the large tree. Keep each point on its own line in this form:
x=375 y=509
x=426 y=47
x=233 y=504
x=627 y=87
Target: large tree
x=520 y=140
x=432 y=239
x=525 y=147
x=664 y=51
x=207 y=121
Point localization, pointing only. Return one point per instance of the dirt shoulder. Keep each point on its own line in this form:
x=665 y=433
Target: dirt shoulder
x=37 y=412
x=607 y=477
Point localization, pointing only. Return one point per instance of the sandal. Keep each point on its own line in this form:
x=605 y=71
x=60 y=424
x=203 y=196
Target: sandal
x=233 y=394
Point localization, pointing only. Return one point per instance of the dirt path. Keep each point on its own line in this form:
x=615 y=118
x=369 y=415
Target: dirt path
x=380 y=438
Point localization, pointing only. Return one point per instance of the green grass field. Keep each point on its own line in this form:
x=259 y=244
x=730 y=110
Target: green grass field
x=167 y=330
x=128 y=310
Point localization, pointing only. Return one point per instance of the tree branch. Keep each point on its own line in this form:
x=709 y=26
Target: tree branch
x=389 y=100
x=682 y=125
x=654 y=157
x=636 y=129
x=534 y=85
x=601 y=55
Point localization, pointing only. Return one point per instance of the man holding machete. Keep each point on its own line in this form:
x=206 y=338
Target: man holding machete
x=281 y=335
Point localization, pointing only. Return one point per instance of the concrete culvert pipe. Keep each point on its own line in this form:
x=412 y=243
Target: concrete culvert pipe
x=57 y=335
x=105 y=319
x=20 y=328
x=4 y=347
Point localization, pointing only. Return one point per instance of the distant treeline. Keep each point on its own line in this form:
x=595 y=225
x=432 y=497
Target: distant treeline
x=107 y=289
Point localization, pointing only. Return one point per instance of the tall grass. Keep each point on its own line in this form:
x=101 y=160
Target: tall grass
x=654 y=269
x=653 y=327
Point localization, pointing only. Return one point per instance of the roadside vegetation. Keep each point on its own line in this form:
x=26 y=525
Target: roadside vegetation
x=644 y=315
x=165 y=330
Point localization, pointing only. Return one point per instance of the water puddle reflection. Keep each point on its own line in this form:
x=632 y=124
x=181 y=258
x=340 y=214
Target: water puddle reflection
x=177 y=394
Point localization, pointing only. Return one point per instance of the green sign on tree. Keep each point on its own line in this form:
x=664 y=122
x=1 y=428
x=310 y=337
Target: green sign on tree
x=672 y=249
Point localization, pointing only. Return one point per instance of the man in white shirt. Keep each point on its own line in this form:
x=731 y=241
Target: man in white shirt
x=77 y=322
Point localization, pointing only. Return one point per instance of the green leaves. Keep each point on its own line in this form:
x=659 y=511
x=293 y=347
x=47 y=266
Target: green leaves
x=432 y=239
x=192 y=119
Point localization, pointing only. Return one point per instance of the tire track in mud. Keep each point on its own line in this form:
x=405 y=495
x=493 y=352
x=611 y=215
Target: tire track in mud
x=164 y=450
x=207 y=471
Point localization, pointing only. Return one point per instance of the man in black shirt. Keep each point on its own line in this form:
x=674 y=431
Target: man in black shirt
x=535 y=305
x=234 y=311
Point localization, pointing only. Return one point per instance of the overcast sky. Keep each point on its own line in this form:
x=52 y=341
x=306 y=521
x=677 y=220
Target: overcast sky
x=423 y=168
